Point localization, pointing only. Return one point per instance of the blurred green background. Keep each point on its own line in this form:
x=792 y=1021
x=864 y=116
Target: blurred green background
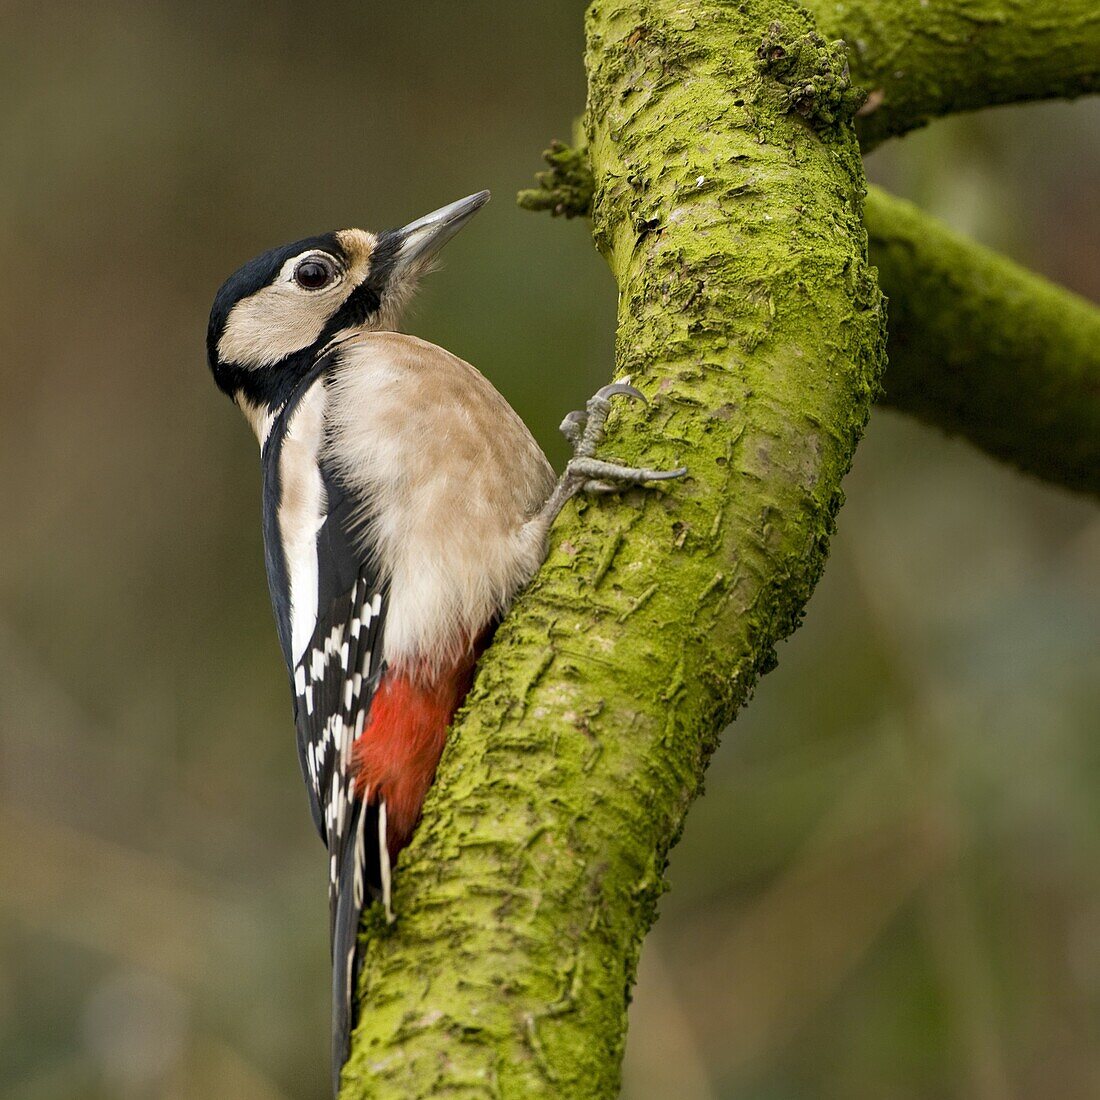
x=892 y=886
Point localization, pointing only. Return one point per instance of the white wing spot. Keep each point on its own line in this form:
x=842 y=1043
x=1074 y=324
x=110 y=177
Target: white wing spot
x=302 y=512
x=360 y=859
x=384 y=860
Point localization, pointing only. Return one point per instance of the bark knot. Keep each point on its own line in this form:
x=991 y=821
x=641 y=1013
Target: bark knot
x=812 y=76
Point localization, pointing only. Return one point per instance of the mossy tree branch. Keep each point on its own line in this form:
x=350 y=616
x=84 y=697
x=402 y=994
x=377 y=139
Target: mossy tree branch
x=982 y=347
x=977 y=345
x=936 y=57
x=728 y=204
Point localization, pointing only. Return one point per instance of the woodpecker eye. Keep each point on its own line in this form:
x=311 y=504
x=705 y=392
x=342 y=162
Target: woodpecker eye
x=315 y=273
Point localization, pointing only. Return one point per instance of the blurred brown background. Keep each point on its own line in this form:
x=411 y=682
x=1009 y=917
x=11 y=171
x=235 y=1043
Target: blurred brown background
x=892 y=886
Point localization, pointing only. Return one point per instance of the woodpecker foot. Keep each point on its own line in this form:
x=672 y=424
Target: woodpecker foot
x=584 y=473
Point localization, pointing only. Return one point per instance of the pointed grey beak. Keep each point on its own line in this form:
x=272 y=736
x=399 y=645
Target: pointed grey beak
x=423 y=238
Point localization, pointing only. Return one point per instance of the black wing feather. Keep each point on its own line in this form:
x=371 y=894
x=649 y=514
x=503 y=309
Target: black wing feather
x=338 y=673
x=332 y=685
x=330 y=714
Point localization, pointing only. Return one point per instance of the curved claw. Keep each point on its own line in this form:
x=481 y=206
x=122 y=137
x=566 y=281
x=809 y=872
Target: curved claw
x=624 y=388
x=573 y=425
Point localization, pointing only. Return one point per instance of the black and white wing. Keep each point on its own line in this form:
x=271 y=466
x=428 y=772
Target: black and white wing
x=334 y=683
x=329 y=608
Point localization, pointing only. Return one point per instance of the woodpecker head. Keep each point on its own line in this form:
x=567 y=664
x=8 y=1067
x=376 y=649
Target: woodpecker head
x=273 y=316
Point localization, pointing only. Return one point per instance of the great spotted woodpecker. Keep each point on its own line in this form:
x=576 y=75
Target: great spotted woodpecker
x=404 y=506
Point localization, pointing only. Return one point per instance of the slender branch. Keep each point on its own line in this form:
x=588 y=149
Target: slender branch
x=980 y=346
x=936 y=57
x=919 y=61
x=977 y=344
x=728 y=206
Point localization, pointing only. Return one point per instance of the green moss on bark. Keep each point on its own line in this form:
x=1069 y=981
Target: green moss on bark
x=749 y=316
x=982 y=347
x=812 y=76
x=918 y=60
x=565 y=188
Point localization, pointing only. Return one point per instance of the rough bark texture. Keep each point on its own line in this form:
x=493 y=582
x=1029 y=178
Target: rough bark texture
x=978 y=346
x=728 y=203
x=923 y=58
x=982 y=347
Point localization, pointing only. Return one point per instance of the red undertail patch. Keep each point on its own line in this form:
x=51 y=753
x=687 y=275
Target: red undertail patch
x=398 y=752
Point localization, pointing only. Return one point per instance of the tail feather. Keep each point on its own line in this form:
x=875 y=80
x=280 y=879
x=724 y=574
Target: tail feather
x=359 y=880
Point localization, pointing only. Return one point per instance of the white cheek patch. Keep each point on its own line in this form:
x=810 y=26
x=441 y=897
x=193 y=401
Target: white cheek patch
x=283 y=318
